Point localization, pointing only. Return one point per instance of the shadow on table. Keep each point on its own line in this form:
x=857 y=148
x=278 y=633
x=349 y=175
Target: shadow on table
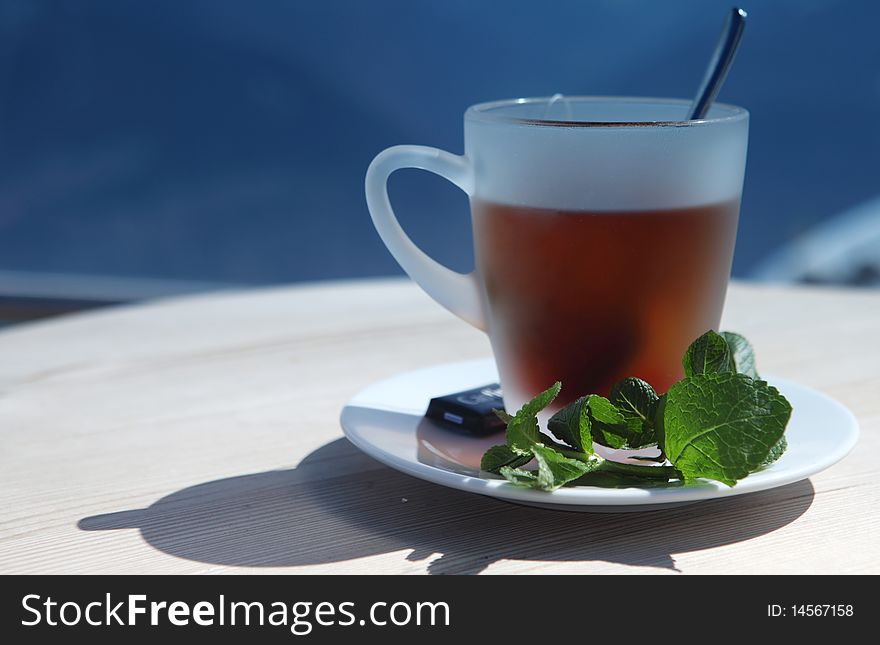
x=339 y=504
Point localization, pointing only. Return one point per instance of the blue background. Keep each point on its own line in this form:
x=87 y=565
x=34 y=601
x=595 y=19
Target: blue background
x=227 y=141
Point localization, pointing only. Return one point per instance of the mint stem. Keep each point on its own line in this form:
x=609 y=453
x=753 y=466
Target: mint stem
x=574 y=454
x=651 y=472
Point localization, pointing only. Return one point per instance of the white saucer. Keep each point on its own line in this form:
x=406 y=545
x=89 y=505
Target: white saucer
x=385 y=421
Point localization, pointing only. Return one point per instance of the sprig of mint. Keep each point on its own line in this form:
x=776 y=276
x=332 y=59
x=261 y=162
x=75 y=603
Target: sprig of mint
x=720 y=422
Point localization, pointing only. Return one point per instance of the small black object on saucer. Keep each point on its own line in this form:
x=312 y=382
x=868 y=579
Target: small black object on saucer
x=471 y=410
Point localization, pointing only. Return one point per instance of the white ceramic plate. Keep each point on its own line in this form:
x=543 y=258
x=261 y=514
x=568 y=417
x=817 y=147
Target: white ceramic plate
x=385 y=421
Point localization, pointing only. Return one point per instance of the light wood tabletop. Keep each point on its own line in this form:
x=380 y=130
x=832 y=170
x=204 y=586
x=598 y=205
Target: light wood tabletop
x=201 y=435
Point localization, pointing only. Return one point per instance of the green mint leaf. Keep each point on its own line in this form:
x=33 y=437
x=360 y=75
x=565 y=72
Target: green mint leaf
x=607 y=424
x=520 y=477
x=776 y=451
x=522 y=429
x=634 y=397
x=603 y=411
x=522 y=434
x=637 y=401
x=497 y=457
x=555 y=470
x=743 y=353
x=721 y=426
x=571 y=424
x=709 y=354
x=541 y=401
x=612 y=428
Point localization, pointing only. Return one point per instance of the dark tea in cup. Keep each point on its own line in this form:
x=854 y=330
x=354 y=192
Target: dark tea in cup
x=601 y=294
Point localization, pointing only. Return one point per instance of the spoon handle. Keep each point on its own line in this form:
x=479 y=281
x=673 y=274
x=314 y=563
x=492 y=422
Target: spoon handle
x=731 y=35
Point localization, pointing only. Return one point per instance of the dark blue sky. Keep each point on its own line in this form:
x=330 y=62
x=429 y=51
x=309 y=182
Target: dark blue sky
x=227 y=141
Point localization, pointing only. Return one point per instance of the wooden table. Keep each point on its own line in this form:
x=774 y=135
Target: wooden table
x=201 y=434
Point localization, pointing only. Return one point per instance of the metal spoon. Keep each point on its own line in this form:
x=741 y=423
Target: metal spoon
x=731 y=35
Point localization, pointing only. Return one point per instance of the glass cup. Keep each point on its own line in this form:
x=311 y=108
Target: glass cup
x=603 y=235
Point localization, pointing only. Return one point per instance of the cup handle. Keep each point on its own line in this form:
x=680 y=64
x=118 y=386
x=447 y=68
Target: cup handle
x=458 y=292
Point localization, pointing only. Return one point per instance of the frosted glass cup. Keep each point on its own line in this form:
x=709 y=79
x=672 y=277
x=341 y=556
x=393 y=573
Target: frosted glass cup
x=603 y=235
